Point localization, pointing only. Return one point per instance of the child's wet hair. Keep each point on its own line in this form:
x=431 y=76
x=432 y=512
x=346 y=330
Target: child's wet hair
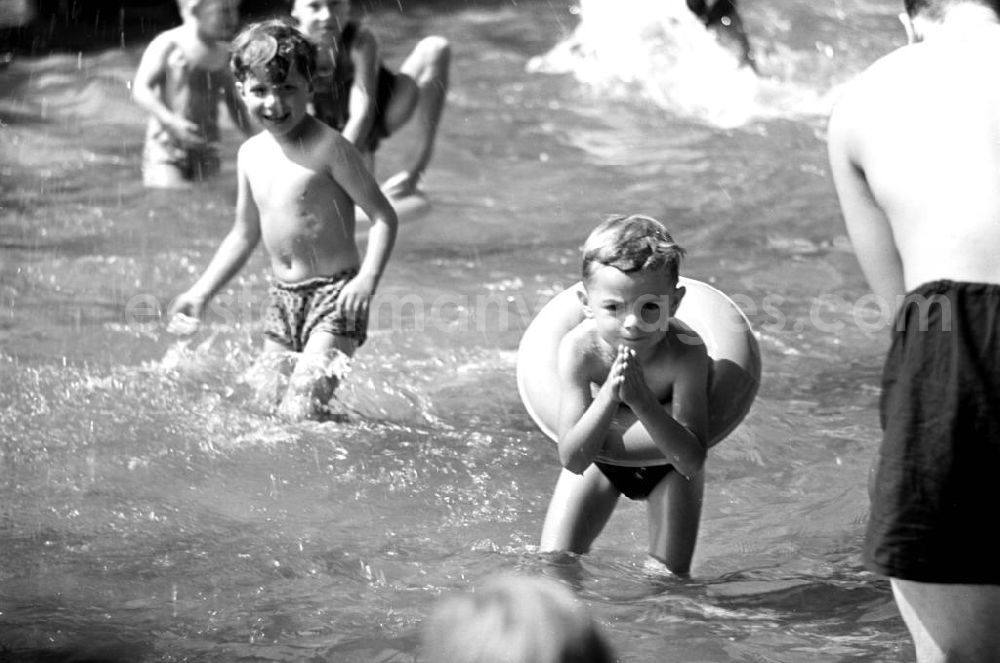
x=631 y=244
x=269 y=49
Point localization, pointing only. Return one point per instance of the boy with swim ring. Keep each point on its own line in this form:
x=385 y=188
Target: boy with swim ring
x=298 y=183
x=357 y=95
x=181 y=78
x=628 y=353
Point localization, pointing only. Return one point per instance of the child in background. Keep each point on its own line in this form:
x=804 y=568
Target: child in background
x=299 y=181
x=514 y=618
x=182 y=77
x=627 y=352
x=357 y=95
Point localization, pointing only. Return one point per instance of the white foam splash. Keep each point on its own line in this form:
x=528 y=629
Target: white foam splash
x=661 y=51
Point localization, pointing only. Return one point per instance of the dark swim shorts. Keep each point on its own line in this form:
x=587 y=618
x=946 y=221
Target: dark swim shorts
x=935 y=497
x=635 y=483
x=298 y=310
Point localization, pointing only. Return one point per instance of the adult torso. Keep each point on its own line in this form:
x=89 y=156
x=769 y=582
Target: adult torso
x=928 y=141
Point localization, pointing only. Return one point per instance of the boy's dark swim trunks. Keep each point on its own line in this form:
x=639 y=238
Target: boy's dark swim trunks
x=935 y=496
x=298 y=310
x=635 y=483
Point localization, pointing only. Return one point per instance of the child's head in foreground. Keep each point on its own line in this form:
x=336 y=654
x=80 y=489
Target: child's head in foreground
x=514 y=619
x=270 y=51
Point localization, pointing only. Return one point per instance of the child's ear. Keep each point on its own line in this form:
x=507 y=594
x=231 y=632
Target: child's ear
x=675 y=299
x=581 y=294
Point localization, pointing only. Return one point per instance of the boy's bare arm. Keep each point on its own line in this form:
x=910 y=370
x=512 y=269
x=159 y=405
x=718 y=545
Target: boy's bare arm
x=231 y=255
x=147 y=87
x=348 y=169
x=583 y=421
x=681 y=437
x=867 y=225
x=361 y=102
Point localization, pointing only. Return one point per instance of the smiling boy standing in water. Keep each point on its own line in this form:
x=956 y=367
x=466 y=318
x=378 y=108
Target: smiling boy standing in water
x=357 y=95
x=182 y=77
x=629 y=351
x=299 y=181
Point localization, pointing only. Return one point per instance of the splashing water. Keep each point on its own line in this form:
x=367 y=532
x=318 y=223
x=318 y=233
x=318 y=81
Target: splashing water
x=660 y=51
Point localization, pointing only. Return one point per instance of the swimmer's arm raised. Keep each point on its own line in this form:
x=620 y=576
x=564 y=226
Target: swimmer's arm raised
x=232 y=253
x=867 y=225
x=584 y=422
x=679 y=437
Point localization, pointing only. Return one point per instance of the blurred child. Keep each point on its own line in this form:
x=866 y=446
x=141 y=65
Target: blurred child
x=628 y=352
x=182 y=77
x=357 y=95
x=514 y=619
x=299 y=181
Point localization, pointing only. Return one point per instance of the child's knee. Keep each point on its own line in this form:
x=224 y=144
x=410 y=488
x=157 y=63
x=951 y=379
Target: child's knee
x=435 y=45
x=435 y=51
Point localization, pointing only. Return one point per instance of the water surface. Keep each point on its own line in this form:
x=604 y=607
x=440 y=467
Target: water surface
x=149 y=511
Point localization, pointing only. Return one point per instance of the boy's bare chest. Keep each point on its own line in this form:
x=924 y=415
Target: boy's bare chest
x=189 y=55
x=286 y=185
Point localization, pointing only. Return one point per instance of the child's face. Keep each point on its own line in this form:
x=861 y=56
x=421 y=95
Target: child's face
x=217 y=19
x=321 y=20
x=279 y=106
x=631 y=309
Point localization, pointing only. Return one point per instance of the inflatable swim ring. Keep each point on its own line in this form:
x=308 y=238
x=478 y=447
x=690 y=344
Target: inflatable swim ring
x=728 y=338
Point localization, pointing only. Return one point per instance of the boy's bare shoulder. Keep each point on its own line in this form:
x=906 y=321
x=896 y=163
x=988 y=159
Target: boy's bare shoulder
x=581 y=343
x=156 y=51
x=332 y=136
x=166 y=39
x=255 y=148
x=338 y=149
x=879 y=79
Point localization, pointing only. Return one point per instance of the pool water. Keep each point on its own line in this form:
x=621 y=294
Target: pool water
x=151 y=511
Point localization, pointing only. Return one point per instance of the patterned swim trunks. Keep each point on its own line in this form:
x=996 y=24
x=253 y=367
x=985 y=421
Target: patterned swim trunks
x=298 y=310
